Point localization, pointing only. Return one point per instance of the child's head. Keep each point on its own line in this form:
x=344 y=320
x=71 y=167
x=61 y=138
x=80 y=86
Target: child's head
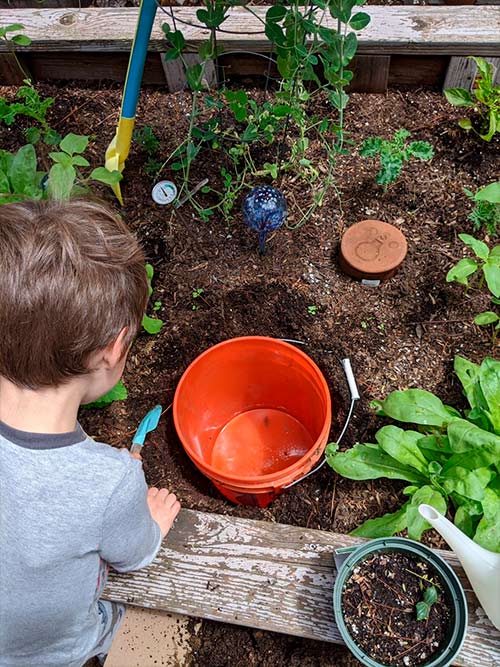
x=72 y=284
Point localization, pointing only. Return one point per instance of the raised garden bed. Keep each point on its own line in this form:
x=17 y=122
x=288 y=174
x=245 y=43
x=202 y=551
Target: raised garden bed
x=210 y=283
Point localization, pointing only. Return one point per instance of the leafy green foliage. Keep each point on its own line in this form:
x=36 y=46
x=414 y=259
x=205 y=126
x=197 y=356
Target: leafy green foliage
x=20 y=178
x=486 y=212
x=310 y=57
x=424 y=606
x=393 y=153
x=150 y=143
x=30 y=104
x=452 y=459
x=485 y=268
x=152 y=325
x=485 y=99
x=118 y=393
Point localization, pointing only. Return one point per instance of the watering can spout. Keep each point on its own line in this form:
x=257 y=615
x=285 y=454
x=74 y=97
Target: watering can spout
x=481 y=566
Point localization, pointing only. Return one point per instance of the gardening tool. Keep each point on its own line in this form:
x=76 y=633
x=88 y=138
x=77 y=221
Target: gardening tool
x=148 y=423
x=119 y=148
x=481 y=566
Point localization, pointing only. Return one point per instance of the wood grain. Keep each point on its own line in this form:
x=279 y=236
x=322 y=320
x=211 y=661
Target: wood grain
x=265 y=575
x=393 y=30
x=462 y=72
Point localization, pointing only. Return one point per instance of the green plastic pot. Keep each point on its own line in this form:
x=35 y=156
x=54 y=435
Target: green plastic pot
x=451 y=586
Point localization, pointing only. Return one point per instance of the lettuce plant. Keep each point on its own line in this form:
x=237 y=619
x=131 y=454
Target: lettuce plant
x=451 y=460
x=152 y=325
x=484 y=99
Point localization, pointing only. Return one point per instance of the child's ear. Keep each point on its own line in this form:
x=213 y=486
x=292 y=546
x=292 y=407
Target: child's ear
x=114 y=351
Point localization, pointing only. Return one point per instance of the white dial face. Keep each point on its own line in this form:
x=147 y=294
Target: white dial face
x=164 y=192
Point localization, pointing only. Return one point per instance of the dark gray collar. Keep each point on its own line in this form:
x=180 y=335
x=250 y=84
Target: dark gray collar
x=41 y=440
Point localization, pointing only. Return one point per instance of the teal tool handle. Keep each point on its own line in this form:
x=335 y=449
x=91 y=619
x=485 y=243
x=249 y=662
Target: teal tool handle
x=149 y=423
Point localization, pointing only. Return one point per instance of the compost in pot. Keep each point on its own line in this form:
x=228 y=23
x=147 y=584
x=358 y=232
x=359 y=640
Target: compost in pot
x=383 y=610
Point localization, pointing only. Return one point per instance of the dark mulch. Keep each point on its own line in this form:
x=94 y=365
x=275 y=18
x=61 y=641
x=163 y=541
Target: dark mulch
x=402 y=334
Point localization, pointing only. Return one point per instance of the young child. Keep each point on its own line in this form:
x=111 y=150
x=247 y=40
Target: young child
x=73 y=291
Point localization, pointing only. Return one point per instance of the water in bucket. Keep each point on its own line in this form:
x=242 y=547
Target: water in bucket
x=260 y=442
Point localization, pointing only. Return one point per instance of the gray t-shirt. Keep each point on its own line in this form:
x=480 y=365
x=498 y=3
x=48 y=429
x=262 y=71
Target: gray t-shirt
x=68 y=507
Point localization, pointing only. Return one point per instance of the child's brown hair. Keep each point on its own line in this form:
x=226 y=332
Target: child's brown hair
x=72 y=276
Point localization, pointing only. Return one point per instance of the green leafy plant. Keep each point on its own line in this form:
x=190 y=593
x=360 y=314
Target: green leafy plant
x=312 y=310
x=486 y=212
x=118 y=393
x=424 y=606
x=450 y=460
x=30 y=104
x=484 y=269
x=484 y=99
x=311 y=58
x=152 y=325
x=148 y=140
x=11 y=41
x=20 y=177
x=196 y=294
x=393 y=153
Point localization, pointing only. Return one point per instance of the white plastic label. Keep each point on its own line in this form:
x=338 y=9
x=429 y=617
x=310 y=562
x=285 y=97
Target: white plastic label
x=370 y=283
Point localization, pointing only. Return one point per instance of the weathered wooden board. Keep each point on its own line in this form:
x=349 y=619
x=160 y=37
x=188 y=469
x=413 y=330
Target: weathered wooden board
x=394 y=29
x=462 y=72
x=264 y=575
x=10 y=71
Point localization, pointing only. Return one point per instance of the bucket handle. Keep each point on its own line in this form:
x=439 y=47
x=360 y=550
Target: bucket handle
x=353 y=390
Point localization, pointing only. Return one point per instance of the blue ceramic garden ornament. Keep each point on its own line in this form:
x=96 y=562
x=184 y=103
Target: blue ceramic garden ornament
x=264 y=210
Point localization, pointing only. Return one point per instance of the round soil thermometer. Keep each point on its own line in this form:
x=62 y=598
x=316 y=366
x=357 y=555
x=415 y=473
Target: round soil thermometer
x=164 y=192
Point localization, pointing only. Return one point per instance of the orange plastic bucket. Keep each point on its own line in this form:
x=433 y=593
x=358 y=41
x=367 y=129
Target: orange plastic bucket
x=253 y=414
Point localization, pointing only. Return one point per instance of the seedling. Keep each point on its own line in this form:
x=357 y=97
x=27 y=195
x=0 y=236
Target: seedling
x=487 y=269
x=394 y=153
x=152 y=325
x=196 y=294
x=312 y=310
x=485 y=99
x=424 y=606
x=31 y=106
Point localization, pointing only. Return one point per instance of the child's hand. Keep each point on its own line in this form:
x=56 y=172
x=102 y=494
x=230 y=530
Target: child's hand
x=137 y=456
x=164 y=507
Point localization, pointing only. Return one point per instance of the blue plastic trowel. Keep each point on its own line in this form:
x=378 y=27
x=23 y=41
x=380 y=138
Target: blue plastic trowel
x=148 y=423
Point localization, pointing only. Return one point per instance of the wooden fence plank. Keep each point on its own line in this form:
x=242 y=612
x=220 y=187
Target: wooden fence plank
x=462 y=72
x=264 y=575
x=394 y=29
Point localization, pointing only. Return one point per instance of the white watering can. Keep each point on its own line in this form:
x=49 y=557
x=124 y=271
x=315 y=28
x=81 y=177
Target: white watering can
x=481 y=566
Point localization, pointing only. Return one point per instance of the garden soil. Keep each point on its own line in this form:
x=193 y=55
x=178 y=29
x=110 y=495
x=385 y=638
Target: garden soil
x=402 y=334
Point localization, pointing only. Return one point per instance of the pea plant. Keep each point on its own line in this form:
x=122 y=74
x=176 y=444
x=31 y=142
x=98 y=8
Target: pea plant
x=393 y=153
x=11 y=41
x=312 y=43
x=449 y=458
x=20 y=176
x=485 y=268
x=484 y=100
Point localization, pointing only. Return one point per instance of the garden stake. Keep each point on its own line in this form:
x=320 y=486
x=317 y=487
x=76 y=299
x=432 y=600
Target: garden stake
x=119 y=148
x=149 y=423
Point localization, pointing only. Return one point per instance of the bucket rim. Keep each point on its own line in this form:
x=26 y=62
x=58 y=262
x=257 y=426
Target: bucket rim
x=456 y=596
x=265 y=481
